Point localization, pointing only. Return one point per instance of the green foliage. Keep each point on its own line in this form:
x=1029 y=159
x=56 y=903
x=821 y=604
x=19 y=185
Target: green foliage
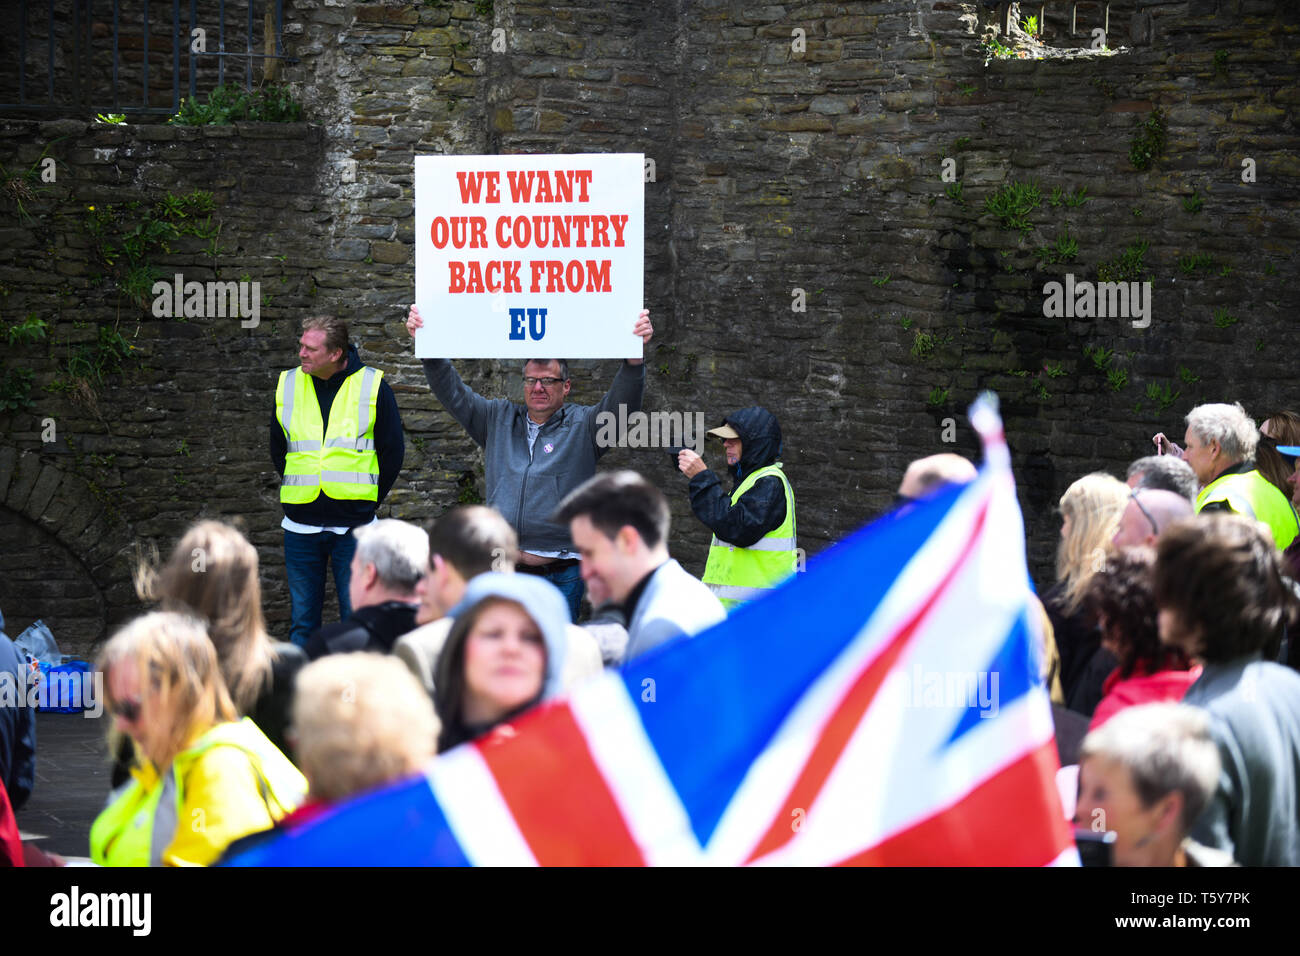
x=21 y=186
x=1270 y=269
x=923 y=344
x=953 y=191
x=1031 y=26
x=995 y=50
x=1186 y=377
x=907 y=323
x=228 y=104
x=16 y=389
x=1148 y=143
x=880 y=281
x=967 y=90
x=938 y=396
x=28 y=332
x=1128 y=266
x=1189 y=264
x=1221 y=63
x=1101 y=358
x=1193 y=203
x=960 y=143
x=1117 y=379
x=127 y=236
x=1013 y=203
x=114 y=119
x=1064 y=249
x=1055 y=370
x=1223 y=320
x=1078 y=197
x=1164 y=397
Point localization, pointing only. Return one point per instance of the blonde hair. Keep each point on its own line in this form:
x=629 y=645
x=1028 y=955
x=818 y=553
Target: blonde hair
x=359 y=721
x=177 y=671
x=212 y=574
x=1094 y=505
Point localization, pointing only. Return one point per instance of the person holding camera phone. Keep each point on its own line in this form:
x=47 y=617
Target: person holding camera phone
x=1221 y=441
x=753 y=548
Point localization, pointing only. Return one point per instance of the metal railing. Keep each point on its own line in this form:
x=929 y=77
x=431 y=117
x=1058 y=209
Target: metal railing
x=90 y=49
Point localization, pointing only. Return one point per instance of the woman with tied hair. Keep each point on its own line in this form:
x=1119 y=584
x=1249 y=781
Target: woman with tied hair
x=504 y=654
x=1282 y=429
x=1121 y=598
x=202 y=777
x=1223 y=601
x=1146 y=776
x=1090 y=513
x=213 y=574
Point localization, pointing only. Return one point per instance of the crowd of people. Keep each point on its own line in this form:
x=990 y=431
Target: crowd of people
x=1166 y=638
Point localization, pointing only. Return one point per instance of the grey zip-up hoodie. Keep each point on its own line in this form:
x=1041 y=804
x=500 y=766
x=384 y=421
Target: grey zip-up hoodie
x=525 y=488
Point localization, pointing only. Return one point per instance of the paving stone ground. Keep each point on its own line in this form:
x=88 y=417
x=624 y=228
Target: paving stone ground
x=72 y=776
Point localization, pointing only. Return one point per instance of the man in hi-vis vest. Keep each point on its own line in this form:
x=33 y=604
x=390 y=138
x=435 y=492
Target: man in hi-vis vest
x=337 y=443
x=753 y=547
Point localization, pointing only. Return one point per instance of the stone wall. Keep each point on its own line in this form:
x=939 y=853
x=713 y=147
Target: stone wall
x=783 y=162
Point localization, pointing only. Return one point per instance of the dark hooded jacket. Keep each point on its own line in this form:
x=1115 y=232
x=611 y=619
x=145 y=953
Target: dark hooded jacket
x=762 y=508
x=390 y=447
x=17 y=726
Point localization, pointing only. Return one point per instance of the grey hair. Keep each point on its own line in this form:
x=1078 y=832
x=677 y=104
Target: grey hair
x=1229 y=425
x=1165 y=747
x=398 y=550
x=1166 y=473
x=563 y=363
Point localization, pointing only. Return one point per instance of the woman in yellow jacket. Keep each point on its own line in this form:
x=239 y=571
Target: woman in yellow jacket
x=202 y=778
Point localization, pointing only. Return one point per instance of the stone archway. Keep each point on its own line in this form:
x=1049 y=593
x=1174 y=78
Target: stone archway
x=62 y=558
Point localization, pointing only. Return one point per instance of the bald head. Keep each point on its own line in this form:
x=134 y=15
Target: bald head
x=1162 y=507
x=926 y=474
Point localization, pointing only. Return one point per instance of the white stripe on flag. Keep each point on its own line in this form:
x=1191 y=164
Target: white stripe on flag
x=762 y=793
x=482 y=823
x=651 y=808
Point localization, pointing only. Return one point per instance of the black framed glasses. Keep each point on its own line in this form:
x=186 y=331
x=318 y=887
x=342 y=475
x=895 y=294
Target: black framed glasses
x=529 y=382
x=1133 y=496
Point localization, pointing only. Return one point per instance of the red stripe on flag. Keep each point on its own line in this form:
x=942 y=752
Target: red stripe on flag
x=558 y=797
x=846 y=717
x=1013 y=818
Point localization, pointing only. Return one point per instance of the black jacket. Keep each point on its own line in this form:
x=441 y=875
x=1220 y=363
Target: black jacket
x=390 y=446
x=374 y=628
x=762 y=508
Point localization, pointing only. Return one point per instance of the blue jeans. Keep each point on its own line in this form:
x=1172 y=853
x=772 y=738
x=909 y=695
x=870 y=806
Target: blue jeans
x=569 y=582
x=305 y=558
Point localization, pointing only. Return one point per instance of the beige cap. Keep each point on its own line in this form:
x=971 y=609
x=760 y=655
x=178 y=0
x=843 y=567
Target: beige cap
x=723 y=431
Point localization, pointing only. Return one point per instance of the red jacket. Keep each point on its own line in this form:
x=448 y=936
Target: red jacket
x=1141 y=688
x=11 y=845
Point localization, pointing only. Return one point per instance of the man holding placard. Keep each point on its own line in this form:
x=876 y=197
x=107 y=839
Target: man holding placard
x=525 y=255
x=536 y=453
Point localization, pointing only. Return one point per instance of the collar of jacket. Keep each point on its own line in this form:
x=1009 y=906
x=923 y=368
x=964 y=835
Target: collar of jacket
x=521 y=411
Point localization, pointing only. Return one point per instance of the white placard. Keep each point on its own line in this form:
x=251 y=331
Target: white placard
x=529 y=256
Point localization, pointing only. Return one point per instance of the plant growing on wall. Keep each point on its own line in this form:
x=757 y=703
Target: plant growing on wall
x=1148 y=143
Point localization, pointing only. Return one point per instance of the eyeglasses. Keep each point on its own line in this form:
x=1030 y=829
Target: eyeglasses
x=529 y=382
x=1146 y=514
x=128 y=710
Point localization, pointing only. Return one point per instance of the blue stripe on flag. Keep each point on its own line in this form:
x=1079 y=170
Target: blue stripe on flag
x=720 y=700
x=1014 y=666
x=401 y=825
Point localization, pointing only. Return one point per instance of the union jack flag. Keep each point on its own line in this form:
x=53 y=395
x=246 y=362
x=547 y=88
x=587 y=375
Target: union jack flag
x=882 y=708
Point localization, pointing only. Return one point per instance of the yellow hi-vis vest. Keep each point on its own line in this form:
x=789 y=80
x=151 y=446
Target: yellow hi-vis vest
x=142 y=817
x=339 y=458
x=737 y=575
x=1253 y=495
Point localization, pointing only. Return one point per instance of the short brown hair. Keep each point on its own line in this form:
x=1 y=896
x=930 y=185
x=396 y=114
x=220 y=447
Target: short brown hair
x=474 y=539
x=613 y=499
x=335 y=329
x=1220 y=573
